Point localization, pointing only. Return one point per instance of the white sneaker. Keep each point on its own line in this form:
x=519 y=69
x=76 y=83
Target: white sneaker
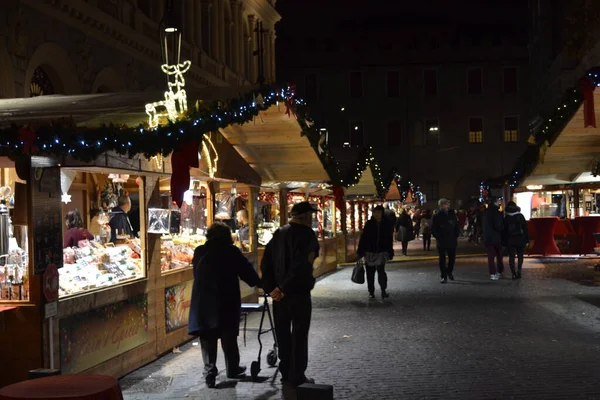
x=494 y=277
x=499 y=275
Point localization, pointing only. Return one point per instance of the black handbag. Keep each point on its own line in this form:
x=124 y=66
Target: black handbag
x=358 y=273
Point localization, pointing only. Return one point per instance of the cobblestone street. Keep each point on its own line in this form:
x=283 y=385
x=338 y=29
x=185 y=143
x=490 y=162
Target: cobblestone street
x=538 y=338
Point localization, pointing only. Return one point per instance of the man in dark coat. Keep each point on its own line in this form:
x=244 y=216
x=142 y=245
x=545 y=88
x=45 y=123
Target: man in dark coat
x=515 y=237
x=493 y=224
x=119 y=221
x=445 y=230
x=404 y=230
x=215 y=305
x=287 y=273
x=377 y=247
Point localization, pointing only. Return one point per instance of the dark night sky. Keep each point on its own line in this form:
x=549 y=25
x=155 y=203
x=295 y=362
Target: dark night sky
x=310 y=15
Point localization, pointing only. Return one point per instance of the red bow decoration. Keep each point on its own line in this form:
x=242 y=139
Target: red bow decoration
x=181 y=161
x=28 y=137
x=587 y=87
x=289 y=100
x=338 y=192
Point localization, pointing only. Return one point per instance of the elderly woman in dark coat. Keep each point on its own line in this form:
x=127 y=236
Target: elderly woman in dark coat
x=216 y=303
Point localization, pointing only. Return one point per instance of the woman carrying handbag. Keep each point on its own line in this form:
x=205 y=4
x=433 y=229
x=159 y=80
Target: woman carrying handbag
x=376 y=246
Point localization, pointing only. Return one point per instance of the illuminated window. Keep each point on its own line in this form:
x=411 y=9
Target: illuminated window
x=476 y=130
x=511 y=129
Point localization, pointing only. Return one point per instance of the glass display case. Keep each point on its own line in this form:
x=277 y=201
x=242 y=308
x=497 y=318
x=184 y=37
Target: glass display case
x=330 y=217
x=268 y=218
x=183 y=229
x=357 y=219
x=101 y=234
x=349 y=218
x=232 y=208
x=14 y=243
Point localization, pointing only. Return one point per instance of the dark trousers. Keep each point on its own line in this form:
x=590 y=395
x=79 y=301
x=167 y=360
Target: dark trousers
x=404 y=246
x=426 y=241
x=292 y=323
x=229 y=344
x=381 y=277
x=446 y=269
x=518 y=251
x=494 y=254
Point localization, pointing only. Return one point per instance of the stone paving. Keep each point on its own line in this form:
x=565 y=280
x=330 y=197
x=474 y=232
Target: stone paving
x=537 y=338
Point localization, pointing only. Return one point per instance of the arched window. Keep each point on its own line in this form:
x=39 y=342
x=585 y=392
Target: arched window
x=40 y=84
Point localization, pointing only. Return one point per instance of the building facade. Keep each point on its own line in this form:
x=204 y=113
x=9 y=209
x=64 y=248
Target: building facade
x=564 y=44
x=445 y=104
x=93 y=46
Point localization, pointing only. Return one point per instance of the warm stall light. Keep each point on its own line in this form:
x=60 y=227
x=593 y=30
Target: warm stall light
x=534 y=187
x=346 y=144
x=65 y=198
x=158 y=161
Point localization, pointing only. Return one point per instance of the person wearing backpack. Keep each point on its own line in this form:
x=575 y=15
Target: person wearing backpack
x=515 y=237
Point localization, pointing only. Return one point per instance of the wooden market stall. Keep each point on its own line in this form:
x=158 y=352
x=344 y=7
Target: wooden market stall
x=290 y=170
x=360 y=199
x=123 y=302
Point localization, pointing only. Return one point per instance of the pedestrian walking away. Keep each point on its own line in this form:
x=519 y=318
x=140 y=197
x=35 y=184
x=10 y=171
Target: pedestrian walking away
x=416 y=219
x=445 y=230
x=376 y=245
x=493 y=225
x=216 y=303
x=287 y=273
x=515 y=237
x=425 y=224
x=404 y=230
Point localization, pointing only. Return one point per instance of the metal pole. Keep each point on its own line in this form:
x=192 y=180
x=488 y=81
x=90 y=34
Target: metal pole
x=51 y=337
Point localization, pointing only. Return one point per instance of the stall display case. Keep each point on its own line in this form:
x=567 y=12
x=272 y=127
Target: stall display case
x=14 y=239
x=98 y=263
x=331 y=219
x=182 y=229
x=349 y=217
x=232 y=209
x=268 y=218
x=357 y=217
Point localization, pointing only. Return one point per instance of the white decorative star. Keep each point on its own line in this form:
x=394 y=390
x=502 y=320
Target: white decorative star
x=65 y=198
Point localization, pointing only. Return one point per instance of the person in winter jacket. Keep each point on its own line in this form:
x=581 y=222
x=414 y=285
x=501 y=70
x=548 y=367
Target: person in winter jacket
x=445 y=230
x=404 y=230
x=376 y=245
x=515 y=237
x=119 y=221
x=215 y=304
x=493 y=225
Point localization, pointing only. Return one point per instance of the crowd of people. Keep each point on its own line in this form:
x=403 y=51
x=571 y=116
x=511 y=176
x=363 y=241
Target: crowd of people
x=287 y=273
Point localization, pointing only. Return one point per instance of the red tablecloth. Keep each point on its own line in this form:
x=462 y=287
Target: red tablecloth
x=587 y=226
x=65 y=387
x=544 y=236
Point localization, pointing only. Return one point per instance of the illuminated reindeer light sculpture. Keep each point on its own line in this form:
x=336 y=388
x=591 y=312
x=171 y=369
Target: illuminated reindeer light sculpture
x=175 y=101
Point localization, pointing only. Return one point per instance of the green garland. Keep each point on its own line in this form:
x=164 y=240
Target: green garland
x=551 y=129
x=61 y=139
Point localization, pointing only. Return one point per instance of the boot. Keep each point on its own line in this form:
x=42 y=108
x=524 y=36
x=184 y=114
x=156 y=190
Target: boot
x=519 y=273
x=514 y=274
x=384 y=294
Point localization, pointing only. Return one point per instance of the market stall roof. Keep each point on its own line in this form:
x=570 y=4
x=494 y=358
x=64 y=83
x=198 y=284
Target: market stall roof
x=393 y=193
x=570 y=157
x=365 y=187
x=274 y=146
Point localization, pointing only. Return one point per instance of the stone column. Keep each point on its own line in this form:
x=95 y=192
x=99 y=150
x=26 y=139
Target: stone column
x=235 y=34
x=206 y=26
x=198 y=26
x=215 y=32
x=253 y=70
x=189 y=30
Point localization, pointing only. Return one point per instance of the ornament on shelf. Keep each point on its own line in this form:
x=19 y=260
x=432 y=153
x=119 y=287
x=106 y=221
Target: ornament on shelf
x=118 y=178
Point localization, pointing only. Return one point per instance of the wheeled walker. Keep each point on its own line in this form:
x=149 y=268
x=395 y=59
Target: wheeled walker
x=272 y=355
